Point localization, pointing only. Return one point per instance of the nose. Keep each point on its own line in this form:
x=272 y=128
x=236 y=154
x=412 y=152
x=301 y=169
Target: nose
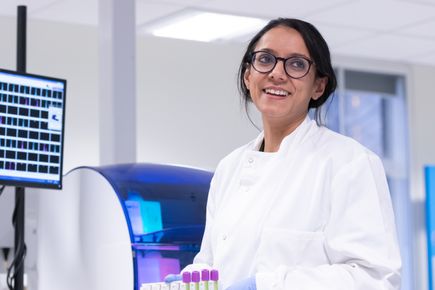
x=278 y=71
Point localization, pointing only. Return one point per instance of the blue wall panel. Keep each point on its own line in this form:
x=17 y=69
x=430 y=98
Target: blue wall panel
x=430 y=222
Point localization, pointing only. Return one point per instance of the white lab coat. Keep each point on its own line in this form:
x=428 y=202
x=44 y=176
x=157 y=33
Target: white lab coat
x=316 y=215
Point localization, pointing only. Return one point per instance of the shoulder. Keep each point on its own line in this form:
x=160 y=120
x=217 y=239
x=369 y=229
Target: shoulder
x=338 y=150
x=327 y=140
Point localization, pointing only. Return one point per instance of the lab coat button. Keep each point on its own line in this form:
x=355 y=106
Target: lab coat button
x=224 y=237
x=251 y=160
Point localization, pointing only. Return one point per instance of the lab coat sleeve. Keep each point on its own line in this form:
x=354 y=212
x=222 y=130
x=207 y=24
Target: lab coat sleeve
x=205 y=255
x=360 y=237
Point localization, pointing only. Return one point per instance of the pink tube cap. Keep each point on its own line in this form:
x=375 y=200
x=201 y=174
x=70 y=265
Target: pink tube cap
x=214 y=275
x=187 y=278
x=196 y=277
x=205 y=275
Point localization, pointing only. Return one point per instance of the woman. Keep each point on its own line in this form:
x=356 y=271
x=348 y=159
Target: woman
x=300 y=207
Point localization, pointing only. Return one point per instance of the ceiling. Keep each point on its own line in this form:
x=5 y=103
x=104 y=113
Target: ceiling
x=396 y=30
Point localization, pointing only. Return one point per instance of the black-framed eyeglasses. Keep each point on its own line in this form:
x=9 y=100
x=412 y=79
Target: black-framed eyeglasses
x=295 y=67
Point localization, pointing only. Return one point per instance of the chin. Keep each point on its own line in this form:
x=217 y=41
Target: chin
x=274 y=110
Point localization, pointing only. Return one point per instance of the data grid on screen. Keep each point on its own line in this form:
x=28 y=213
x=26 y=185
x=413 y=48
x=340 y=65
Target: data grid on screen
x=31 y=123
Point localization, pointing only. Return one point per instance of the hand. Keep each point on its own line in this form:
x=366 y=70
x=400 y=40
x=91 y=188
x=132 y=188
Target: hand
x=172 y=278
x=245 y=284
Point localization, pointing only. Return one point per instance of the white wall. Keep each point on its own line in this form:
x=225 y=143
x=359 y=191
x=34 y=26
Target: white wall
x=188 y=109
x=422 y=121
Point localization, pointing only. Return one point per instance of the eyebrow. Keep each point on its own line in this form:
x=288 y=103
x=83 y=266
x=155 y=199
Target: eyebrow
x=271 y=51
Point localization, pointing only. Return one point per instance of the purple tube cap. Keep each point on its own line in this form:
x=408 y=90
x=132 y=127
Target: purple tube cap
x=187 y=278
x=196 y=277
x=214 y=275
x=205 y=275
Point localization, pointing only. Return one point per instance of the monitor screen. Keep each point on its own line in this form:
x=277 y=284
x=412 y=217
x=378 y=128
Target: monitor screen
x=32 y=118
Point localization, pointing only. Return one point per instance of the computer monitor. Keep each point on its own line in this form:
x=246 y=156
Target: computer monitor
x=32 y=117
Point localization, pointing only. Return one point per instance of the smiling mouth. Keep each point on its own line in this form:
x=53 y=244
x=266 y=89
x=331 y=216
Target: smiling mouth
x=279 y=93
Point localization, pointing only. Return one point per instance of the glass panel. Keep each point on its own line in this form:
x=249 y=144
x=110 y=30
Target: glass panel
x=371 y=82
x=154 y=262
x=331 y=113
x=165 y=209
x=363 y=120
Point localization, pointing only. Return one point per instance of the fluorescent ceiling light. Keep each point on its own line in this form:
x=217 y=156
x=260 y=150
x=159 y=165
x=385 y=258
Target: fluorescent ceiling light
x=207 y=26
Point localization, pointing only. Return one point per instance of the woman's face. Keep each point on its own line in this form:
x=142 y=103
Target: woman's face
x=276 y=95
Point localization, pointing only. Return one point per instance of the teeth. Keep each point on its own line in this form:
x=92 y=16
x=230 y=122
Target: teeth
x=276 y=92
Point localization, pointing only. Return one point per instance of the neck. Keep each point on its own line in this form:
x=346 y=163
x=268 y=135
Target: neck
x=274 y=133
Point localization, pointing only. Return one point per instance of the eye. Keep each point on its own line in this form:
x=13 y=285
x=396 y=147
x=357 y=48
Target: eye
x=265 y=58
x=297 y=63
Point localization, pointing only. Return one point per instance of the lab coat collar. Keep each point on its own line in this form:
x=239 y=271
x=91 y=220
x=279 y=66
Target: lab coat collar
x=295 y=137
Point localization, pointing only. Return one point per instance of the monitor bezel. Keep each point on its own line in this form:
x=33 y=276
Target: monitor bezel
x=29 y=183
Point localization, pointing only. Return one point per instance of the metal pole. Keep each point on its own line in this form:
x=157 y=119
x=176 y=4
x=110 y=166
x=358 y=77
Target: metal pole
x=19 y=239
x=19 y=191
x=21 y=38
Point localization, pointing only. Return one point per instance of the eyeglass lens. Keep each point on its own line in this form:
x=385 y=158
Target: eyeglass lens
x=295 y=66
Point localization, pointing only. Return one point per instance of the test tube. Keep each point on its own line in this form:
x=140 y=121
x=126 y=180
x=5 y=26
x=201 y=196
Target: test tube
x=196 y=277
x=214 y=277
x=205 y=277
x=186 y=279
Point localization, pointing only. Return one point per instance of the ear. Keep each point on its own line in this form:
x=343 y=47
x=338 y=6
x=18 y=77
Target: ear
x=247 y=75
x=319 y=87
